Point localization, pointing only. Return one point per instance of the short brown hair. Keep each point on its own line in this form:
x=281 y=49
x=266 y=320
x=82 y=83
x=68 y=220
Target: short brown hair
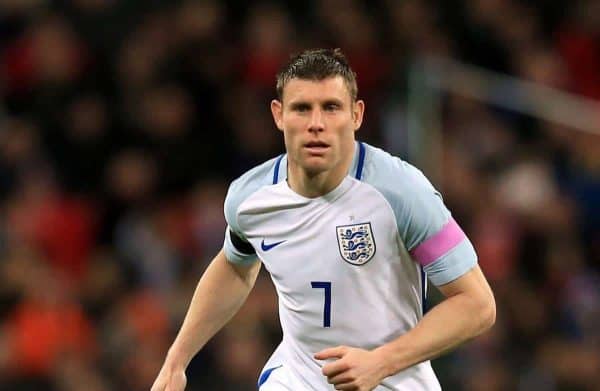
x=317 y=64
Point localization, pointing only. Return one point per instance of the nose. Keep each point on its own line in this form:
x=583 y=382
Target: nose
x=316 y=122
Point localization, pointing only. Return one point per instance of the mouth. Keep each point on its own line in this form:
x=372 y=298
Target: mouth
x=316 y=147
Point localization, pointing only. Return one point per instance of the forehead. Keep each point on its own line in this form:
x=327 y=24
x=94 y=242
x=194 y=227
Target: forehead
x=316 y=90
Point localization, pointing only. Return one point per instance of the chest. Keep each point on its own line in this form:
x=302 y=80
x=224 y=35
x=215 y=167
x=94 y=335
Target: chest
x=341 y=240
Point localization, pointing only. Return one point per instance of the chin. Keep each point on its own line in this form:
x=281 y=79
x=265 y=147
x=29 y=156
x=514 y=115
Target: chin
x=316 y=166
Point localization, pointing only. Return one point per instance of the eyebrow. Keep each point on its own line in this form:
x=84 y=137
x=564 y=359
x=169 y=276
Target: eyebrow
x=332 y=101
x=303 y=104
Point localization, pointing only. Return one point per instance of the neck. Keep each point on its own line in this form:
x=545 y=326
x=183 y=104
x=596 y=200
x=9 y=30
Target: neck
x=313 y=185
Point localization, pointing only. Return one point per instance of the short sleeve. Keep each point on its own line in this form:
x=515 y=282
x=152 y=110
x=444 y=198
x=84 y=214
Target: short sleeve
x=426 y=227
x=237 y=249
x=432 y=237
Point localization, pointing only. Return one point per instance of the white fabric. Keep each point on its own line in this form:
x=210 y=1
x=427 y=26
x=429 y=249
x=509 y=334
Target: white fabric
x=376 y=291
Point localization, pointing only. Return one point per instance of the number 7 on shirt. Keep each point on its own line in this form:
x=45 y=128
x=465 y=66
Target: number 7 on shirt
x=326 y=286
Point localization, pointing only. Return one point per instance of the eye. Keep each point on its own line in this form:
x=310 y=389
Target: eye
x=301 y=108
x=332 y=107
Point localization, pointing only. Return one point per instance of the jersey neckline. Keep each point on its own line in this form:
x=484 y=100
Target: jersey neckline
x=355 y=170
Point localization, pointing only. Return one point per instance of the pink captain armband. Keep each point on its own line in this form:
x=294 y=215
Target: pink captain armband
x=439 y=244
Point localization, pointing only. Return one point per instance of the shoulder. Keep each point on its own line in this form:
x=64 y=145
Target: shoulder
x=418 y=207
x=424 y=223
x=395 y=178
x=247 y=184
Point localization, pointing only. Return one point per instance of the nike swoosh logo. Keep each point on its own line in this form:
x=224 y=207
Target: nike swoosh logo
x=267 y=247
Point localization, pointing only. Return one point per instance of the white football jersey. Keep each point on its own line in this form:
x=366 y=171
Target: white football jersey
x=350 y=266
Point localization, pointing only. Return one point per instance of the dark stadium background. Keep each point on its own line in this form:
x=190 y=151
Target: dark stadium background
x=122 y=122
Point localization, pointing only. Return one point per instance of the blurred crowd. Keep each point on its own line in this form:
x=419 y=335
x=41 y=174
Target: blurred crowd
x=122 y=123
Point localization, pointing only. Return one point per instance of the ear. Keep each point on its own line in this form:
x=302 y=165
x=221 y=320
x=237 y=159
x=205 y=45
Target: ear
x=358 y=110
x=277 y=111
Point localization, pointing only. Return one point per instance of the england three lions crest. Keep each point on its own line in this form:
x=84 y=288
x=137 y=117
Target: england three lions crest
x=356 y=243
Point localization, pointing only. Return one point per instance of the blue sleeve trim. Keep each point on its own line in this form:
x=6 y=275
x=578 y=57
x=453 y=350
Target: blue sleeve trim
x=424 y=306
x=265 y=375
x=361 y=160
x=276 y=171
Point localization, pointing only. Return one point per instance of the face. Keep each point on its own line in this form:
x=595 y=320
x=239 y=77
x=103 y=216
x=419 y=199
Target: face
x=318 y=119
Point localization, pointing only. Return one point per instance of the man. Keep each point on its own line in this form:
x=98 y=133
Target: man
x=348 y=233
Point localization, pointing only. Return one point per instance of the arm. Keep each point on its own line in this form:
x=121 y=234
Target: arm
x=220 y=293
x=468 y=311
